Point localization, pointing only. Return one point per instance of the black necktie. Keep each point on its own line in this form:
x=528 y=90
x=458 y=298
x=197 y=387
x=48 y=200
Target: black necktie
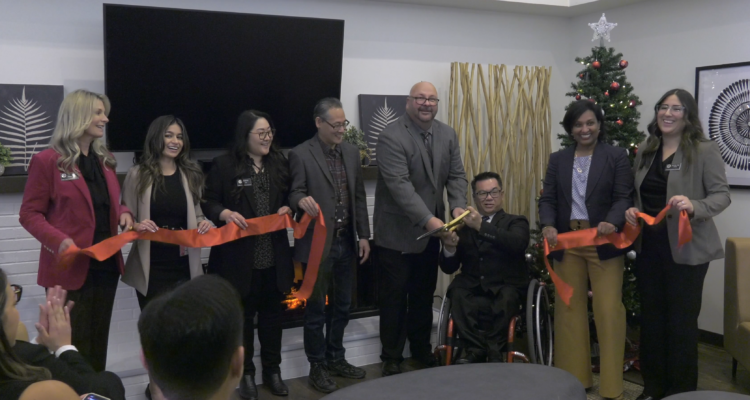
x=427 y=136
x=485 y=218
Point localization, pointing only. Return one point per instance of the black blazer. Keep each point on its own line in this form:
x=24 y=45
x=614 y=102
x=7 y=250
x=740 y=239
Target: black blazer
x=72 y=370
x=493 y=257
x=233 y=261
x=609 y=192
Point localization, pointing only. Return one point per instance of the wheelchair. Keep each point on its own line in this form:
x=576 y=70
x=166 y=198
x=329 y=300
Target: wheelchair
x=533 y=321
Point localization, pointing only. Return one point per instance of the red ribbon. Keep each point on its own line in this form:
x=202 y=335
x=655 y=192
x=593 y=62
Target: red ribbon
x=621 y=240
x=214 y=237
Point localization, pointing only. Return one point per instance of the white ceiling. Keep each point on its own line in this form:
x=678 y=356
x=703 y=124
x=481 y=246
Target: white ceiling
x=564 y=8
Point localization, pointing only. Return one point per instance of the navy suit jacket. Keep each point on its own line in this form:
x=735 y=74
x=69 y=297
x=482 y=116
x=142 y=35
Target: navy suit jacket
x=609 y=192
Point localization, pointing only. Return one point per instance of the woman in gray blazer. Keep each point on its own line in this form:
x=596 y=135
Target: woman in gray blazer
x=163 y=191
x=676 y=166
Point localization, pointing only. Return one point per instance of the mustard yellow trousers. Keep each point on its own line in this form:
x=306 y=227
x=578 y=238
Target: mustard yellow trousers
x=572 y=348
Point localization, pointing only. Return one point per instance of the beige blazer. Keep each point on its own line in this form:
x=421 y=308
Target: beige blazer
x=704 y=182
x=137 y=266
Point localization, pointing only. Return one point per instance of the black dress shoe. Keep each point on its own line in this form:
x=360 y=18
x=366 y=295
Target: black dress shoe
x=471 y=357
x=428 y=360
x=320 y=379
x=344 y=369
x=248 y=390
x=495 y=357
x=391 y=367
x=275 y=384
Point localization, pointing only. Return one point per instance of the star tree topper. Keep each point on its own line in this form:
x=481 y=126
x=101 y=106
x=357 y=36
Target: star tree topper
x=602 y=28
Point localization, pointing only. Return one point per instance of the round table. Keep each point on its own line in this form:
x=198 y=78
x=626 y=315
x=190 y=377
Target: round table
x=707 y=395
x=470 y=381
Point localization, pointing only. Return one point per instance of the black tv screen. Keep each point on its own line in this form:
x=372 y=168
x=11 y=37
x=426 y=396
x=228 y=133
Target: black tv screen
x=207 y=67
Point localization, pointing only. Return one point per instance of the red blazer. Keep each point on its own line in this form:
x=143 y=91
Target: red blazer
x=53 y=210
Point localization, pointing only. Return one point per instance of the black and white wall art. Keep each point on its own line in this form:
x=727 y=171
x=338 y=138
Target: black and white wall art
x=723 y=95
x=28 y=114
x=376 y=111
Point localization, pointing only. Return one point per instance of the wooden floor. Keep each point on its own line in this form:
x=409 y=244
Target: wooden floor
x=714 y=364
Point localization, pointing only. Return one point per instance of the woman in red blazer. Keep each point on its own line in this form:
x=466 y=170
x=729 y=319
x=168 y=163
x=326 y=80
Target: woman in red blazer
x=72 y=196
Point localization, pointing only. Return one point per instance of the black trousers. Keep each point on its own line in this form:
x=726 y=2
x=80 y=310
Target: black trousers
x=92 y=313
x=164 y=277
x=482 y=317
x=263 y=299
x=670 y=305
x=405 y=289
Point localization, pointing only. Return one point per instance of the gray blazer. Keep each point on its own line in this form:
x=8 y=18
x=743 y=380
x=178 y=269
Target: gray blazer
x=312 y=177
x=138 y=262
x=704 y=182
x=408 y=190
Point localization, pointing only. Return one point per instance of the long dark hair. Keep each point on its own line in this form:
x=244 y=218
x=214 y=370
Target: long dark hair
x=149 y=172
x=275 y=162
x=11 y=367
x=691 y=135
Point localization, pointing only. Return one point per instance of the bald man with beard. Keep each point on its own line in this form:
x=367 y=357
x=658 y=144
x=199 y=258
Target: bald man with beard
x=418 y=160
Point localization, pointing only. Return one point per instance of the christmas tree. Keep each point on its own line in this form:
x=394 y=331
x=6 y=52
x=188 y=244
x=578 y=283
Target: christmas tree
x=602 y=80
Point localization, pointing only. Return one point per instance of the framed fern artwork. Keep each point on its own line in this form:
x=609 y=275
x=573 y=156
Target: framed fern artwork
x=28 y=114
x=376 y=111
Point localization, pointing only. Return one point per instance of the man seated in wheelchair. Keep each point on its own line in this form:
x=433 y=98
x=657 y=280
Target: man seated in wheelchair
x=490 y=251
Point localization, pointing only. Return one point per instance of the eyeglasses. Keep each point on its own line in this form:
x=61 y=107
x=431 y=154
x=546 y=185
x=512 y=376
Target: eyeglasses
x=421 y=100
x=265 y=134
x=341 y=125
x=495 y=193
x=18 y=291
x=662 y=108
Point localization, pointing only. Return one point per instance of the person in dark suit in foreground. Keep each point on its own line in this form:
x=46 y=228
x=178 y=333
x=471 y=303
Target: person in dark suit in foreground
x=192 y=340
x=22 y=364
x=489 y=250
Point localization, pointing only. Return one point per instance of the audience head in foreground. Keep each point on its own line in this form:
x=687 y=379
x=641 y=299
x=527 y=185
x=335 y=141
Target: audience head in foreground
x=192 y=340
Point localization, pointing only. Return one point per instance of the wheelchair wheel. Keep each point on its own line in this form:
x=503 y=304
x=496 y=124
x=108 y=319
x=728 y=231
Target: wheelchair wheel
x=443 y=318
x=539 y=324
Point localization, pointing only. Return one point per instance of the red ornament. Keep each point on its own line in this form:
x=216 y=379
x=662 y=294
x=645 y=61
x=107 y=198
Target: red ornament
x=619 y=122
x=623 y=64
x=580 y=76
x=578 y=97
x=596 y=64
x=631 y=103
x=606 y=93
x=635 y=150
x=591 y=99
x=614 y=86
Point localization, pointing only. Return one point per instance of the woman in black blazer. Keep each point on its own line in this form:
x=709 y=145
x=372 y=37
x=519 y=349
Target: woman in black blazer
x=251 y=181
x=588 y=185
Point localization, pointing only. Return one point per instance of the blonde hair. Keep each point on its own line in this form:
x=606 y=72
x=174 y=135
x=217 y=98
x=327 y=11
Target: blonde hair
x=75 y=116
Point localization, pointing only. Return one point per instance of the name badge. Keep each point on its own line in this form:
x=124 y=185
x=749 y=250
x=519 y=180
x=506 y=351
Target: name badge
x=672 y=167
x=244 y=182
x=64 y=176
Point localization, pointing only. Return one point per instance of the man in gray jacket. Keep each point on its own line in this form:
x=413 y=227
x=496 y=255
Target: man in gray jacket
x=326 y=172
x=418 y=159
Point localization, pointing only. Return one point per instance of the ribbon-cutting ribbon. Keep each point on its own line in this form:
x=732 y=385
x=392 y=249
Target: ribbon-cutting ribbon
x=214 y=237
x=621 y=240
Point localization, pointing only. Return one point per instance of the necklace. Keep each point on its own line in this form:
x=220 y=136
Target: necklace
x=578 y=168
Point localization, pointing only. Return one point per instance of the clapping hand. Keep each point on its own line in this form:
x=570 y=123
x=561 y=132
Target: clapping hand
x=58 y=331
x=56 y=292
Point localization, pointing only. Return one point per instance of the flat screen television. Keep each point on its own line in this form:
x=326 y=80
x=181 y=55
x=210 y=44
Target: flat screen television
x=206 y=67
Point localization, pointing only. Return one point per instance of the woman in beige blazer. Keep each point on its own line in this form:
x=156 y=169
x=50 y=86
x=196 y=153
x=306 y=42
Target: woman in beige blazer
x=163 y=191
x=678 y=166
